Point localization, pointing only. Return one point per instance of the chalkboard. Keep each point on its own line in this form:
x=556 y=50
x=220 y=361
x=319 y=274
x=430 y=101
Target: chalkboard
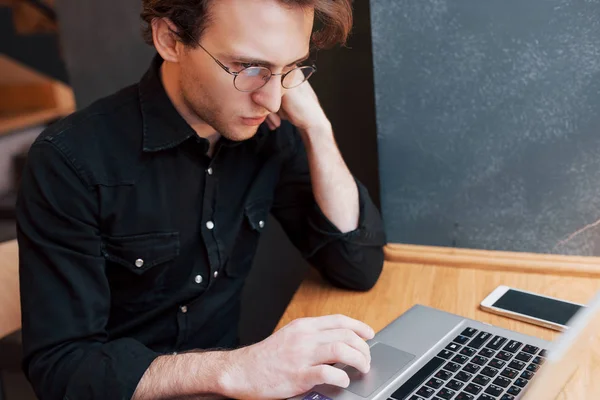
x=488 y=116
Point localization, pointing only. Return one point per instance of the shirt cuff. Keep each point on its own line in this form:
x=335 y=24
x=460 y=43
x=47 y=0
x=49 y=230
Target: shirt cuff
x=111 y=372
x=369 y=230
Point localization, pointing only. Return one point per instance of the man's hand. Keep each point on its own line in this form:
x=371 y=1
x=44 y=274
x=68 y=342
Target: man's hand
x=296 y=358
x=301 y=107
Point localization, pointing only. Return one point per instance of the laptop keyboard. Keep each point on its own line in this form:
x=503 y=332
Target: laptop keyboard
x=476 y=365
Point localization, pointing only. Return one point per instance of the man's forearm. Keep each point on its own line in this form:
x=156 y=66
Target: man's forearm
x=334 y=187
x=189 y=375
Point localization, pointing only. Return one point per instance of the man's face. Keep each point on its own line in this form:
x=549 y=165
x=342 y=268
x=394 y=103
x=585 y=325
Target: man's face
x=238 y=31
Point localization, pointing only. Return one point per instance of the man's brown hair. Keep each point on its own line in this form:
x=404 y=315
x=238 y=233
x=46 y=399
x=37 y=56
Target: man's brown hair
x=333 y=19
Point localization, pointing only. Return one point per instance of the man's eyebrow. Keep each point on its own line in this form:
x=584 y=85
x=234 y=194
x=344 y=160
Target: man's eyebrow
x=252 y=60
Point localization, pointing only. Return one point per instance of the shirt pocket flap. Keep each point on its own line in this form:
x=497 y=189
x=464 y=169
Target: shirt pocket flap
x=257 y=213
x=139 y=253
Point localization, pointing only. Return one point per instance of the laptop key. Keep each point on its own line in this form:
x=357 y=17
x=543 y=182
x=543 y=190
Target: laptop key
x=467 y=351
x=513 y=346
x=516 y=364
x=418 y=378
x=415 y=397
x=494 y=390
x=425 y=392
x=443 y=375
x=445 y=354
x=496 y=343
x=531 y=349
x=471 y=368
x=497 y=363
x=481 y=380
x=502 y=382
x=452 y=366
x=446 y=393
x=473 y=388
x=460 y=339
x=480 y=340
x=521 y=382
x=522 y=356
x=464 y=396
x=509 y=373
x=489 y=371
x=453 y=347
x=459 y=358
x=514 y=390
x=504 y=355
x=527 y=375
x=507 y=397
x=544 y=353
x=469 y=332
x=485 y=352
x=463 y=376
x=486 y=397
x=538 y=360
x=435 y=383
x=455 y=385
x=479 y=360
x=533 y=367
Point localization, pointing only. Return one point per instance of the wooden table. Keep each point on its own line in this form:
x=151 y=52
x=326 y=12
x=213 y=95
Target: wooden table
x=10 y=307
x=459 y=290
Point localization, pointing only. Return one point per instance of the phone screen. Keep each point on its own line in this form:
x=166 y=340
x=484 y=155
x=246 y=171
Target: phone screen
x=538 y=307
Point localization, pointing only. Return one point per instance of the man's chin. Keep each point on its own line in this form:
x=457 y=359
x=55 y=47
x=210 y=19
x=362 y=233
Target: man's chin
x=240 y=133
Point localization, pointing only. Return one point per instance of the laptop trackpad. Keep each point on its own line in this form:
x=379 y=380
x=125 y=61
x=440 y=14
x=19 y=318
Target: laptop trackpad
x=386 y=361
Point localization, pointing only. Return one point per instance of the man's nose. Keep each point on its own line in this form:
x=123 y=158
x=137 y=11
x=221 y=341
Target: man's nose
x=269 y=96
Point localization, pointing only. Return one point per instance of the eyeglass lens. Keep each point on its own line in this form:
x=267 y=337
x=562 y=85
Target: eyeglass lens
x=253 y=78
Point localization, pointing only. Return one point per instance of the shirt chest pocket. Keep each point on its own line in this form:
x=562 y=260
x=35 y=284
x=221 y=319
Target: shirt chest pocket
x=244 y=248
x=136 y=267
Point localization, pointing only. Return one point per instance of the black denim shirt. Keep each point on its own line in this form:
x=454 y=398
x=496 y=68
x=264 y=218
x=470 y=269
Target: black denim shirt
x=134 y=243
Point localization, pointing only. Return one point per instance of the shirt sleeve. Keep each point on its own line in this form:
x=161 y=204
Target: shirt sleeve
x=352 y=260
x=65 y=294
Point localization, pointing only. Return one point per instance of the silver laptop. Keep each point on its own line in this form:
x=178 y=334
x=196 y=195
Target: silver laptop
x=428 y=354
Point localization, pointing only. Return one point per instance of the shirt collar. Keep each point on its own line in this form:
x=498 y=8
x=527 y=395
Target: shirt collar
x=163 y=126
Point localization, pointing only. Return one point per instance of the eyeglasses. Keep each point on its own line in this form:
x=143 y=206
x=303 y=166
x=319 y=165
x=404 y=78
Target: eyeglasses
x=252 y=78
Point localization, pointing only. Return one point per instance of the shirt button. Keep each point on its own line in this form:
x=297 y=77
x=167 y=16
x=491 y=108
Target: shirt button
x=184 y=309
x=216 y=274
x=210 y=225
x=209 y=171
x=198 y=279
x=174 y=353
x=261 y=224
x=139 y=263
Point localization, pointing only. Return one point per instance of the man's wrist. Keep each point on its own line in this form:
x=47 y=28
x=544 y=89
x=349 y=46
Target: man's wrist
x=319 y=133
x=232 y=380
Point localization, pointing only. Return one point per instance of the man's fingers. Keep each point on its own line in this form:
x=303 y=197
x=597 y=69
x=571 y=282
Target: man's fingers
x=346 y=336
x=326 y=374
x=339 y=352
x=343 y=322
x=273 y=120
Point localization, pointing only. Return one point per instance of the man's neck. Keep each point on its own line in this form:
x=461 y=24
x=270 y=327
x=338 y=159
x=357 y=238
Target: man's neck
x=169 y=74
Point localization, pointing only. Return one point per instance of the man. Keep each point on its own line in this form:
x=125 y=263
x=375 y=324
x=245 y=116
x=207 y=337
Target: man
x=138 y=217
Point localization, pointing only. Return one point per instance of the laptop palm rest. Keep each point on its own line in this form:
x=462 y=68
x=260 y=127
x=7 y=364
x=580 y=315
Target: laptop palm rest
x=386 y=361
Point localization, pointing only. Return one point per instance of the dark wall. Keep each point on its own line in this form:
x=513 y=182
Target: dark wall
x=104 y=52
x=40 y=51
x=102 y=45
x=489 y=120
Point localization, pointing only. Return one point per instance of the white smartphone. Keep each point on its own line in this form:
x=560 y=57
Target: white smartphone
x=531 y=307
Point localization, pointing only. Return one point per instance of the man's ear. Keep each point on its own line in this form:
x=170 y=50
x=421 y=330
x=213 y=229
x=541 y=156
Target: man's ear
x=165 y=39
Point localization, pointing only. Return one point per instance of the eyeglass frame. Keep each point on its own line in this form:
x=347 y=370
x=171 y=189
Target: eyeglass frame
x=236 y=74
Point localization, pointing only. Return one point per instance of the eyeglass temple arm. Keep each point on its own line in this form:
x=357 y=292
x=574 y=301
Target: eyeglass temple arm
x=225 y=68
